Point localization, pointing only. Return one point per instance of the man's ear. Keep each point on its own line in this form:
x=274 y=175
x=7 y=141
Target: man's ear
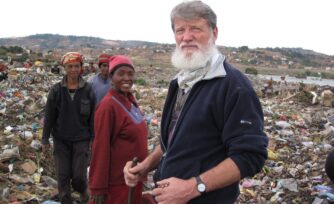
x=215 y=32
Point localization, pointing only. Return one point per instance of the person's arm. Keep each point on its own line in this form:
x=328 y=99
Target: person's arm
x=92 y=106
x=134 y=174
x=100 y=166
x=213 y=179
x=151 y=162
x=50 y=115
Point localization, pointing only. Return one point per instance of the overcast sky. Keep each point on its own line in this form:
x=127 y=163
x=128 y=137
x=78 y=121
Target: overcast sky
x=308 y=24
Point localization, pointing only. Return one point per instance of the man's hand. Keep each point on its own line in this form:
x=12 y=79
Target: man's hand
x=132 y=175
x=176 y=191
x=98 y=199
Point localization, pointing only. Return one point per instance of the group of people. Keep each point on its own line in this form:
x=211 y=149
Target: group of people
x=211 y=129
x=102 y=110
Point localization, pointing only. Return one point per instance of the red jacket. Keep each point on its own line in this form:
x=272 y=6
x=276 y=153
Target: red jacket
x=120 y=135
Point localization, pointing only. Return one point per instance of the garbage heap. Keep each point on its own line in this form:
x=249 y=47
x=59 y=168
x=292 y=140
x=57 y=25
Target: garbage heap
x=25 y=173
x=298 y=124
x=300 y=127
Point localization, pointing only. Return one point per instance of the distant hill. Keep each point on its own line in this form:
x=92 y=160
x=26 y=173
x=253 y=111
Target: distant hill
x=52 y=46
x=42 y=42
x=302 y=51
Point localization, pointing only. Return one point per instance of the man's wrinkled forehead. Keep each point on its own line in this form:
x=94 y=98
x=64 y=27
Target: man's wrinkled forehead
x=181 y=22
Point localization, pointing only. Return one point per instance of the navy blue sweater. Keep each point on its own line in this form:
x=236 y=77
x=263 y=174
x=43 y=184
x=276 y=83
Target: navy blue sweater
x=221 y=118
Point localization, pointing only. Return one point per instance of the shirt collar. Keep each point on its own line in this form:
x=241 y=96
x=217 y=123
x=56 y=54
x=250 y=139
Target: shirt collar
x=217 y=68
x=81 y=82
x=213 y=70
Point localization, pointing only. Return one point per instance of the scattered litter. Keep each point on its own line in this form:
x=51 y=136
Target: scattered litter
x=298 y=122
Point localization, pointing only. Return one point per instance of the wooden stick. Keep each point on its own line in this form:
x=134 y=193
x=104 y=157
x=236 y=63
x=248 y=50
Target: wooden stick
x=131 y=189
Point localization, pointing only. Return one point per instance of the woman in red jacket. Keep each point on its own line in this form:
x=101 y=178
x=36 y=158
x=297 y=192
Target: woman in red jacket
x=120 y=135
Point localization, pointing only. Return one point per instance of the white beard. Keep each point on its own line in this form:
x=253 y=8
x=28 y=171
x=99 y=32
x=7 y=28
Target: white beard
x=197 y=59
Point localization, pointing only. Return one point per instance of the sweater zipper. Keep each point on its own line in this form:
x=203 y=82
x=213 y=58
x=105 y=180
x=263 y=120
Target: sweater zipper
x=166 y=149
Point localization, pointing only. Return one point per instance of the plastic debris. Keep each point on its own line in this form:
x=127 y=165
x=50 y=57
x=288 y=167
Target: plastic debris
x=29 y=167
x=299 y=125
x=9 y=154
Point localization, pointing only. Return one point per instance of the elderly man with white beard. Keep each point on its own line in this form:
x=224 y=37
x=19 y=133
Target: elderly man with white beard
x=212 y=122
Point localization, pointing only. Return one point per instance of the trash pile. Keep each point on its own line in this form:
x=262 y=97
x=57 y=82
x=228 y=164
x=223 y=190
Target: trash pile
x=300 y=129
x=25 y=173
x=301 y=134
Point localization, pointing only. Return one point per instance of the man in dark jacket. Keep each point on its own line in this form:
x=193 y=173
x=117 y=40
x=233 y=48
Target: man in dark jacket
x=69 y=118
x=212 y=123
